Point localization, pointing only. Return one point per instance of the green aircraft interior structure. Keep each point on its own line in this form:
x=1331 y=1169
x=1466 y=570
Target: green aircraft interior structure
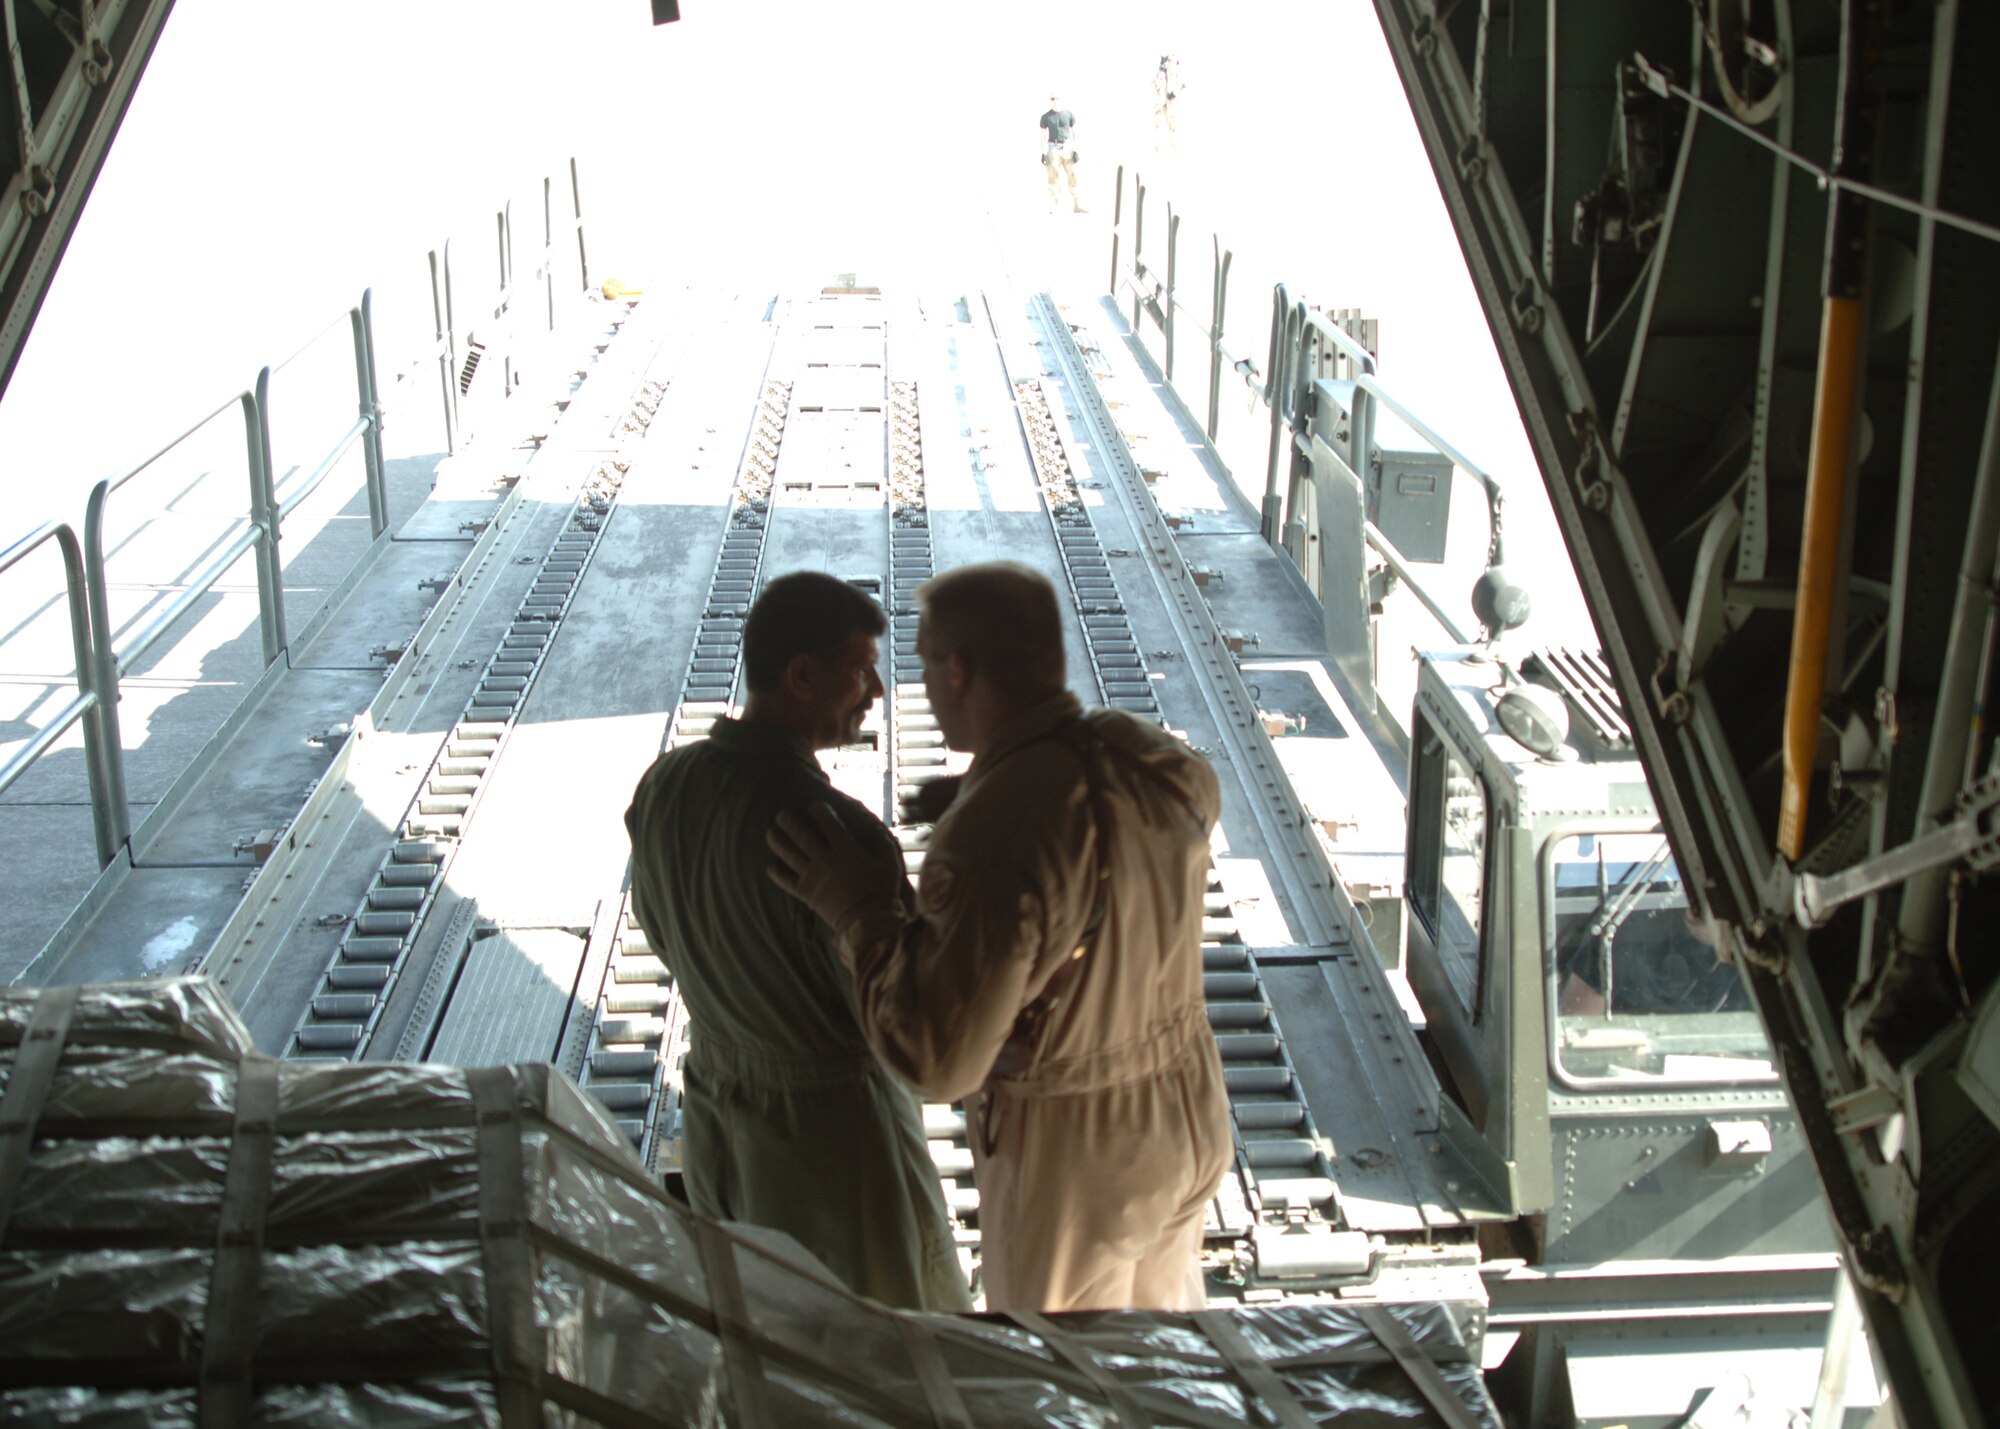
x=1738 y=260
x=1739 y=265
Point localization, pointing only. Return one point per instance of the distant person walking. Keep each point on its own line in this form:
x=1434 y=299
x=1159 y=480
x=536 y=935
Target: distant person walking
x=1167 y=87
x=1059 y=154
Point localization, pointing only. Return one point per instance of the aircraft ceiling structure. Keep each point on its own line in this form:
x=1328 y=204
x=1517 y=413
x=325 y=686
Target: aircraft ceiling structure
x=1740 y=261
x=72 y=66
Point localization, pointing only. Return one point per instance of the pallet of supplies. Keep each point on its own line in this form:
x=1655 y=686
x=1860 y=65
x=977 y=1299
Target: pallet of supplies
x=193 y=1233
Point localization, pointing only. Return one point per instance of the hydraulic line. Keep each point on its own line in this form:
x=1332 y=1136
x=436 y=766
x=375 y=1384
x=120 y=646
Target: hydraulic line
x=1842 y=334
x=1819 y=561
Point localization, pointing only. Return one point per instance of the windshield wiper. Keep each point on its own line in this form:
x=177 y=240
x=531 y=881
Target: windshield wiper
x=1619 y=904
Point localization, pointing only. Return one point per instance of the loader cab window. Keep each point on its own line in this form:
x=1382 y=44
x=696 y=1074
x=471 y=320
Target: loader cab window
x=1447 y=865
x=1637 y=993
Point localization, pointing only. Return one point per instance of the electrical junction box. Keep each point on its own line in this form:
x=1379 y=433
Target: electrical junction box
x=1407 y=481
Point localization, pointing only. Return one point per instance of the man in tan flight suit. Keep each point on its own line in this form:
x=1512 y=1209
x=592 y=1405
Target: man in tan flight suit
x=1052 y=965
x=789 y=1120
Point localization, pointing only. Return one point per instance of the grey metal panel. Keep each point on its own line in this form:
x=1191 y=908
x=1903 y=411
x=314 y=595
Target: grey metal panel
x=1410 y=491
x=1263 y=595
x=1365 y=1092
x=512 y=999
x=844 y=343
x=1651 y=1186
x=840 y=388
x=834 y=450
x=1342 y=558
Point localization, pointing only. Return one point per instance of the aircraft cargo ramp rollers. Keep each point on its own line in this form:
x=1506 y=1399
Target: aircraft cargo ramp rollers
x=858 y=387
x=864 y=436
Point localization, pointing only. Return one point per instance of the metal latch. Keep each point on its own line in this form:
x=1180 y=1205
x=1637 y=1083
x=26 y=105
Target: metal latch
x=1278 y=724
x=332 y=736
x=259 y=845
x=1738 y=1145
x=1310 y=1252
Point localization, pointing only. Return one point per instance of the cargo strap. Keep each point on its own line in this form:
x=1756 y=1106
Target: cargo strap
x=229 y=1328
x=503 y=1243
x=741 y=1362
x=28 y=1089
x=1421 y=1369
x=1124 y=1404
x=1266 y=1383
x=940 y=1390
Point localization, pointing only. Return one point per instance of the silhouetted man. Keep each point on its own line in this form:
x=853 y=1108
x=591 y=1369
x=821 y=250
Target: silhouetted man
x=790 y=1122
x=1051 y=969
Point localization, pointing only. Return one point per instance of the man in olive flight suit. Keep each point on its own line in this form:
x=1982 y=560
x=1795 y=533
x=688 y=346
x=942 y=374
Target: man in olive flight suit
x=790 y=1122
x=1051 y=970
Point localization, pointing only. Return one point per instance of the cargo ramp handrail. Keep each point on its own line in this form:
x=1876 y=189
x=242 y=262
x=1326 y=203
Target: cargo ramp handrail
x=1282 y=384
x=103 y=655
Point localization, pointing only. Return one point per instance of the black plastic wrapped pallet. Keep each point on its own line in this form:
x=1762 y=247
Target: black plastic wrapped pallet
x=200 y=1235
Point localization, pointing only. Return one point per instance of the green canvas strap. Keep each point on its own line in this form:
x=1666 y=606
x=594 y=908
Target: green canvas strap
x=1124 y=1404
x=229 y=1327
x=503 y=1242
x=1227 y=1336
x=742 y=1365
x=28 y=1086
x=1421 y=1369
x=940 y=1390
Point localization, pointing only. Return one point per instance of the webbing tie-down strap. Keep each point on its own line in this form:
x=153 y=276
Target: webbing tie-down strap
x=229 y=1327
x=1131 y=1413
x=28 y=1089
x=503 y=1243
x=940 y=1390
x=1421 y=1369
x=743 y=1366
x=1263 y=1381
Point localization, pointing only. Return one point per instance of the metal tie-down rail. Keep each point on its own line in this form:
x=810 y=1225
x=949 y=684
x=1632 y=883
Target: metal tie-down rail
x=103 y=656
x=1284 y=1173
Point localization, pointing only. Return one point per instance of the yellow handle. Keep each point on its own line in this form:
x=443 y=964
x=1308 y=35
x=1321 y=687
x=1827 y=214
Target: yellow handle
x=1819 y=560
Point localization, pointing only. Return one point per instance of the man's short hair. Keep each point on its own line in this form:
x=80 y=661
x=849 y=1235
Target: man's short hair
x=804 y=613
x=1002 y=618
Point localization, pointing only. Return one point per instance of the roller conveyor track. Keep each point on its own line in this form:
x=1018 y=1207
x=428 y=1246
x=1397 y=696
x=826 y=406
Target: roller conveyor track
x=638 y=1030
x=917 y=753
x=835 y=376
x=344 y=1013
x=1282 y=1160
x=1115 y=662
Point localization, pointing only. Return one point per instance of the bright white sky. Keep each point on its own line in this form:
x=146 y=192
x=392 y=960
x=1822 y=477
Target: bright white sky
x=279 y=157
